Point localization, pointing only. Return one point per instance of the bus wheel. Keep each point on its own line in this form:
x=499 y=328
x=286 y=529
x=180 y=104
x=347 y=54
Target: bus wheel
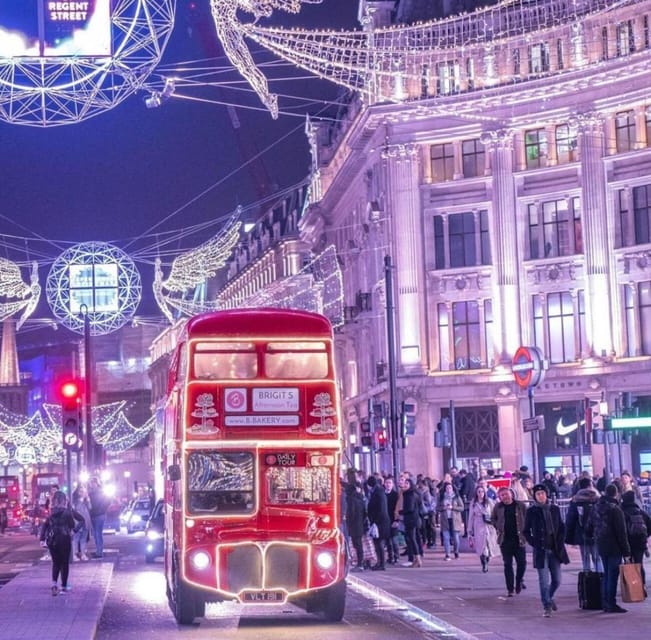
x=334 y=602
x=184 y=609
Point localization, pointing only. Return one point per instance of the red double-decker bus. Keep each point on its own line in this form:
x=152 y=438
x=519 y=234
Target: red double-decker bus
x=10 y=496
x=252 y=449
x=43 y=486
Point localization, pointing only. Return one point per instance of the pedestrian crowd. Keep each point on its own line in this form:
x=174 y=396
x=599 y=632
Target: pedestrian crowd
x=387 y=519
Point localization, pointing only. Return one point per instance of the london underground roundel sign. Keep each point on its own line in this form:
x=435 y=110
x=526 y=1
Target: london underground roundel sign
x=527 y=367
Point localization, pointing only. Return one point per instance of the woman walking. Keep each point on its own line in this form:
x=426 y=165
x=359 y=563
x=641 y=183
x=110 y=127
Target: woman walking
x=482 y=533
x=450 y=508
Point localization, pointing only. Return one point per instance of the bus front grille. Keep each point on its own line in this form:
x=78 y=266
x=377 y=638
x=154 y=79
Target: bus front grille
x=274 y=566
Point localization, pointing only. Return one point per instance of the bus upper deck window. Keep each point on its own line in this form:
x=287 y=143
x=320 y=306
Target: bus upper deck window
x=225 y=361
x=296 y=360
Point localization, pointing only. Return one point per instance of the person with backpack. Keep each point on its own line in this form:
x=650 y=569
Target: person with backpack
x=56 y=534
x=608 y=527
x=638 y=528
x=577 y=516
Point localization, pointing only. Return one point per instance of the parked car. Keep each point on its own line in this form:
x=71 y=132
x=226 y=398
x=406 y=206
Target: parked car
x=112 y=520
x=136 y=516
x=154 y=531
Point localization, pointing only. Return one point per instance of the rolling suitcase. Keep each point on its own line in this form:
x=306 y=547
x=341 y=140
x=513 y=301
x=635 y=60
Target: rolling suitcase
x=590 y=589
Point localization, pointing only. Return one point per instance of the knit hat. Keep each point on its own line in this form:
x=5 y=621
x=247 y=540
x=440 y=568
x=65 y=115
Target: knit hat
x=540 y=487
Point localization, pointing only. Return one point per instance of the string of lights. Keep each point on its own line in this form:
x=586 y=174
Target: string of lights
x=37 y=439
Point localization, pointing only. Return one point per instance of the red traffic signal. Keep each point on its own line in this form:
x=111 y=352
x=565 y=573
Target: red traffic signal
x=70 y=390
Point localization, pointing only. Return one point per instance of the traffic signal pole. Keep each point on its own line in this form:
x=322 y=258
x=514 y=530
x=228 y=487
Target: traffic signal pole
x=391 y=359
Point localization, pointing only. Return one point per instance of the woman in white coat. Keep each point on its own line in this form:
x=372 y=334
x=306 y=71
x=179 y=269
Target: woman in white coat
x=481 y=533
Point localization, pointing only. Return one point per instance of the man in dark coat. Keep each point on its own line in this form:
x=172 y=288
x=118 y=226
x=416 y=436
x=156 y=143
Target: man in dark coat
x=608 y=526
x=545 y=532
x=378 y=515
x=508 y=519
x=393 y=549
x=355 y=516
x=578 y=514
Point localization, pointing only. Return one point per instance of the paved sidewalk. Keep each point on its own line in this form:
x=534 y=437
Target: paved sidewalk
x=459 y=595
x=28 y=610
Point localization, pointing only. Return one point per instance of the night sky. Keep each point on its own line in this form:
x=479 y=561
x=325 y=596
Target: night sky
x=113 y=177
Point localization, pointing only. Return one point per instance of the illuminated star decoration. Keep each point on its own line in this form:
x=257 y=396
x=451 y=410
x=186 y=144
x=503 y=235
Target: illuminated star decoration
x=193 y=268
x=231 y=34
x=16 y=295
x=317 y=287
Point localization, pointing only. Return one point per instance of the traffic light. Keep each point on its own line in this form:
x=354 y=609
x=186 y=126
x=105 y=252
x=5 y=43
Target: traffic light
x=381 y=440
x=408 y=419
x=70 y=393
x=443 y=435
x=367 y=438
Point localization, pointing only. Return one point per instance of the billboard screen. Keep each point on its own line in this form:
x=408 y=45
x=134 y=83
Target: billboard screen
x=55 y=28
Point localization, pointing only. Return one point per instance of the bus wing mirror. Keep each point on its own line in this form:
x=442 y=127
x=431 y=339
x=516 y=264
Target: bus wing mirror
x=174 y=472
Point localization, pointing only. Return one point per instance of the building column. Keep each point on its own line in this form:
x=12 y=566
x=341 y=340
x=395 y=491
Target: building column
x=595 y=235
x=506 y=258
x=402 y=168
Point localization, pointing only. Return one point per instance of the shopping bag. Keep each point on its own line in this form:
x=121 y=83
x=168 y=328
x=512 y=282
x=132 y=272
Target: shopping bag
x=630 y=578
x=370 y=557
x=373 y=531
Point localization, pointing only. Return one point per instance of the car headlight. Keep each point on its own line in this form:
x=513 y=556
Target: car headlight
x=154 y=535
x=325 y=560
x=200 y=560
x=135 y=518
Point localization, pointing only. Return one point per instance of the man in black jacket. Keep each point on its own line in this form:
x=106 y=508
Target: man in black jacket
x=545 y=532
x=508 y=519
x=607 y=525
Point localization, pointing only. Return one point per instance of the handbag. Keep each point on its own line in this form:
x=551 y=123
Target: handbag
x=373 y=531
x=631 y=585
x=368 y=548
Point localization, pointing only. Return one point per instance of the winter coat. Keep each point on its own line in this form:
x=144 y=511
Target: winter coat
x=456 y=506
x=355 y=512
x=62 y=522
x=535 y=531
x=410 y=511
x=636 y=543
x=482 y=533
x=82 y=507
x=606 y=523
x=99 y=503
x=392 y=501
x=378 y=512
x=577 y=516
x=498 y=520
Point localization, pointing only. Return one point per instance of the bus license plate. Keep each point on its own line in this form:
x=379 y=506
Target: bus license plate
x=263 y=596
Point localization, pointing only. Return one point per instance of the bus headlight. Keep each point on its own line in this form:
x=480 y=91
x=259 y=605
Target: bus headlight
x=325 y=560
x=200 y=560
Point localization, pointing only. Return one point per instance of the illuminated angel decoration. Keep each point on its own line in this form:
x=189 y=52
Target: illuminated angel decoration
x=191 y=269
x=231 y=34
x=15 y=294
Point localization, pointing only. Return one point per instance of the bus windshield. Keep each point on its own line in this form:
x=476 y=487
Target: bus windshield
x=220 y=482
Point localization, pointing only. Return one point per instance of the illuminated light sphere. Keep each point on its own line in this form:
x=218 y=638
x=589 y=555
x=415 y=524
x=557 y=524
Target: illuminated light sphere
x=100 y=276
x=61 y=66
